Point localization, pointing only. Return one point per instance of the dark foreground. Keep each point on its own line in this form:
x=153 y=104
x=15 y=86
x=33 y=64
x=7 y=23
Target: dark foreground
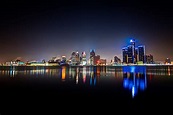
x=85 y=91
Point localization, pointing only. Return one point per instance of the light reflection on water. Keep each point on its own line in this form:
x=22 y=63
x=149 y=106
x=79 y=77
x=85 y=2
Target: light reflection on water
x=134 y=79
x=131 y=78
x=134 y=82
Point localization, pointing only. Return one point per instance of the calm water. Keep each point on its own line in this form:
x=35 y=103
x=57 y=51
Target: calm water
x=82 y=88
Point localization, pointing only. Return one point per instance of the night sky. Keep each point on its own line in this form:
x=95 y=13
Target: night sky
x=36 y=30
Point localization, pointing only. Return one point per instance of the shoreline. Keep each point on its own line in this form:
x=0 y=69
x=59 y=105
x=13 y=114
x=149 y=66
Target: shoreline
x=80 y=66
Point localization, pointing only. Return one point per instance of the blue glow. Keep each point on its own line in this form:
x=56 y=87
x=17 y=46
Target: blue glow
x=90 y=80
x=136 y=69
x=135 y=82
x=132 y=40
x=92 y=50
x=133 y=91
x=125 y=83
x=132 y=69
x=130 y=85
x=142 y=85
x=95 y=81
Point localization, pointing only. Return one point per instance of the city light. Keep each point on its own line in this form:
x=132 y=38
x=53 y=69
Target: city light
x=132 y=54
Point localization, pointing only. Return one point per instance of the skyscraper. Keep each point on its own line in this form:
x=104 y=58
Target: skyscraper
x=136 y=55
x=132 y=42
x=117 y=60
x=133 y=54
x=125 y=54
x=83 y=58
x=130 y=52
x=75 y=59
x=96 y=59
x=92 y=56
x=141 y=52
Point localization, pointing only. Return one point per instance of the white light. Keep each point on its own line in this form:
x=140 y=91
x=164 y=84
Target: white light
x=133 y=91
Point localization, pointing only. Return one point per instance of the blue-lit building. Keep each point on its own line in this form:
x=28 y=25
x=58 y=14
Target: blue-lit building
x=128 y=54
x=141 y=53
x=125 y=54
x=132 y=45
x=132 y=54
x=136 y=55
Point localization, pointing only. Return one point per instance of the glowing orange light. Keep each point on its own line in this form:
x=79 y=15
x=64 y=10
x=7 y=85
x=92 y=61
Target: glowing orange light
x=63 y=73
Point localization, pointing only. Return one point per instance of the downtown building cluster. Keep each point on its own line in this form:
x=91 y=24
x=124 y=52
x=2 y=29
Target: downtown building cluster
x=133 y=54
x=81 y=59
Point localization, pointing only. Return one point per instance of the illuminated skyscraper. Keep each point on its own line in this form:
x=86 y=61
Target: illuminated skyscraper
x=125 y=55
x=136 y=55
x=133 y=54
x=75 y=59
x=96 y=59
x=92 y=55
x=132 y=42
x=83 y=59
x=141 y=53
x=130 y=53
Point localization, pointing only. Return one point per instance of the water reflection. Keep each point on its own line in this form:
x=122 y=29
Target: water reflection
x=93 y=78
x=12 y=73
x=85 y=75
x=134 y=79
x=94 y=75
x=77 y=75
x=84 y=72
x=161 y=70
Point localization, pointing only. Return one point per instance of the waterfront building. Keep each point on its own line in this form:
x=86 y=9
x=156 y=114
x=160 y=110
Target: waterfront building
x=117 y=60
x=63 y=59
x=92 y=55
x=75 y=58
x=101 y=62
x=83 y=59
x=149 y=59
x=136 y=55
x=132 y=45
x=167 y=61
x=132 y=54
x=125 y=55
x=96 y=59
x=141 y=53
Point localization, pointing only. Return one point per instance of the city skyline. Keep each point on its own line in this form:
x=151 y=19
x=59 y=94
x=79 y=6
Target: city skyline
x=132 y=53
x=36 y=30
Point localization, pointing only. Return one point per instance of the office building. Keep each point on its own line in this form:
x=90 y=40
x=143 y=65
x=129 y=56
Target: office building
x=92 y=55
